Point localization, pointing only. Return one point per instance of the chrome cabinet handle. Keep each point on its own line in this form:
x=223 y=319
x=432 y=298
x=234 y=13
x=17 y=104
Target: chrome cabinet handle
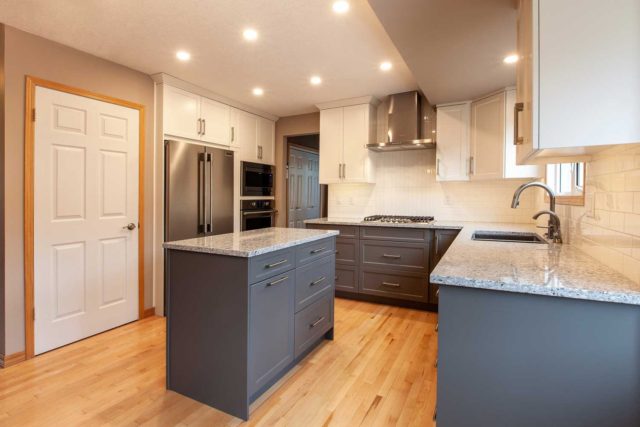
x=391 y=256
x=517 y=109
x=233 y=133
x=438 y=292
x=315 y=251
x=275 y=282
x=316 y=323
x=131 y=226
x=204 y=127
x=471 y=166
x=437 y=167
x=392 y=285
x=199 y=126
x=275 y=264
x=344 y=170
x=320 y=280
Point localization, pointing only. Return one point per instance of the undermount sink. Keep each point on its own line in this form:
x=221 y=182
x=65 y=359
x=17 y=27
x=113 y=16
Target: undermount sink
x=507 y=236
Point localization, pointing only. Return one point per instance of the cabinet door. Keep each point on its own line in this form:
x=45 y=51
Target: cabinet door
x=511 y=168
x=247 y=135
x=272 y=328
x=331 y=145
x=487 y=137
x=215 y=122
x=524 y=83
x=357 y=165
x=266 y=141
x=181 y=111
x=588 y=79
x=452 y=148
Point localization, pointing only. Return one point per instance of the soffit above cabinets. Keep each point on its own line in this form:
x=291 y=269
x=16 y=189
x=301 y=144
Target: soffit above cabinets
x=454 y=48
x=297 y=39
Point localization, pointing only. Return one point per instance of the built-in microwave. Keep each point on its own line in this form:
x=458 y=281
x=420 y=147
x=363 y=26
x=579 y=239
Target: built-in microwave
x=257 y=179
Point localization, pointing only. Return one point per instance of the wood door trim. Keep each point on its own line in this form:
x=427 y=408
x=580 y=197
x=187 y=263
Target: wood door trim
x=29 y=178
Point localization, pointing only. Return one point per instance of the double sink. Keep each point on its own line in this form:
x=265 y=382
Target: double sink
x=507 y=236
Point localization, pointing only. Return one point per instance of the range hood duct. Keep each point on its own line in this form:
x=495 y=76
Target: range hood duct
x=411 y=123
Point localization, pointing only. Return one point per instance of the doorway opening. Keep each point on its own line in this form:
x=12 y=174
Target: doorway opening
x=306 y=197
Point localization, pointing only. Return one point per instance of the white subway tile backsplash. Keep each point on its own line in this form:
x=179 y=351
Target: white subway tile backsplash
x=406 y=185
x=608 y=226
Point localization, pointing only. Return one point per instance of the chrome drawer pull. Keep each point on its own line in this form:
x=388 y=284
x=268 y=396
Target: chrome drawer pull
x=315 y=251
x=316 y=323
x=438 y=292
x=320 y=280
x=391 y=256
x=275 y=264
x=393 y=285
x=275 y=282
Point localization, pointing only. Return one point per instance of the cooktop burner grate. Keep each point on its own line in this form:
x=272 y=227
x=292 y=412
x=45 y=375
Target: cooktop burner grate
x=399 y=219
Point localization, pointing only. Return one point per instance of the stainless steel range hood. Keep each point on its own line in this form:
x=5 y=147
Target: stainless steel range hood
x=411 y=123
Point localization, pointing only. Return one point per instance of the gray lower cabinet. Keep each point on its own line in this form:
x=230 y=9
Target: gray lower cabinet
x=272 y=328
x=393 y=263
x=237 y=325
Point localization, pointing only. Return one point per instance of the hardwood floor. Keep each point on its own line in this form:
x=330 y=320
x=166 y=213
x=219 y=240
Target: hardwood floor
x=379 y=371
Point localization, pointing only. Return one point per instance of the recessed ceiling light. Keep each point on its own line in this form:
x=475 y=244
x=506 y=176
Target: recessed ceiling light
x=258 y=91
x=250 y=34
x=183 y=55
x=315 y=80
x=341 y=6
x=386 y=66
x=511 y=59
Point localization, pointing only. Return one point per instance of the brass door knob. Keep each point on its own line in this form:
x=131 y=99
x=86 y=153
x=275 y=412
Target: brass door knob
x=131 y=226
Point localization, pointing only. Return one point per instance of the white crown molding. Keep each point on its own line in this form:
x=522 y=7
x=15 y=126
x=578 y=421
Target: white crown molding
x=163 y=78
x=348 y=102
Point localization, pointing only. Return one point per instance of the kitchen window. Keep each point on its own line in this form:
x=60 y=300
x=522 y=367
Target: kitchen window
x=568 y=181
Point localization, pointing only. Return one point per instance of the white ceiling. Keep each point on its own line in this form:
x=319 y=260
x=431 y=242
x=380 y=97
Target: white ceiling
x=453 y=47
x=298 y=38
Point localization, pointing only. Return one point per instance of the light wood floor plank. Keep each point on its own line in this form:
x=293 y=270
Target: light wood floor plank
x=379 y=371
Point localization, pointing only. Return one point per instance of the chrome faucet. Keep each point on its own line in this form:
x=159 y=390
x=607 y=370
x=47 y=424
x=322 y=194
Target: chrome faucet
x=553 y=226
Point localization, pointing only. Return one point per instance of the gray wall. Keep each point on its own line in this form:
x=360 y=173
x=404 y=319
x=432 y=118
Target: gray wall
x=26 y=54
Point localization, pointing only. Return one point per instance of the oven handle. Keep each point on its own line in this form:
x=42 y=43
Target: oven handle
x=258 y=213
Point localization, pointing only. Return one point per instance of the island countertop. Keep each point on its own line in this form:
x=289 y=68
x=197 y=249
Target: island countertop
x=559 y=270
x=250 y=243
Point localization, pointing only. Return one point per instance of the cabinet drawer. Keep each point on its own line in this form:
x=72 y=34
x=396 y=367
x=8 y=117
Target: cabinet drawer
x=314 y=280
x=272 y=329
x=395 y=285
x=346 y=231
x=312 y=322
x=311 y=251
x=346 y=278
x=394 y=233
x=268 y=265
x=400 y=256
x=347 y=251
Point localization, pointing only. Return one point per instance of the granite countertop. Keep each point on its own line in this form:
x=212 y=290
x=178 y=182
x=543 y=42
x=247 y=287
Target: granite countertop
x=356 y=221
x=559 y=270
x=250 y=243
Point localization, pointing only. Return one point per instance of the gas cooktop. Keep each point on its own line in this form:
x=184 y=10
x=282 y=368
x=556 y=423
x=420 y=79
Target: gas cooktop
x=399 y=219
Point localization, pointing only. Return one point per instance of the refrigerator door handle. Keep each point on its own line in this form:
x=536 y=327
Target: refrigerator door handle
x=201 y=193
x=210 y=161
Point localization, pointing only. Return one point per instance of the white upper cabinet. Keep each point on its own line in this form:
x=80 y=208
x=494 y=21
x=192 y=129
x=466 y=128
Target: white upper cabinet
x=181 y=112
x=492 y=153
x=452 y=147
x=266 y=141
x=215 y=121
x=344 y=134
x=578 y=79
x=246 y=135
x=487 y=137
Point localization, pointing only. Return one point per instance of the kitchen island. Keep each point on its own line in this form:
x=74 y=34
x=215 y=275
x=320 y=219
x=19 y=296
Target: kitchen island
x=534 y=335
x=243 y=309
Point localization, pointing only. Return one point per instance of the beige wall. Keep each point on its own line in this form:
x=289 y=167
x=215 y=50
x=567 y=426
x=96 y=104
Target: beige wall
x=289 y=126
x=26 y=54
x=2 y=316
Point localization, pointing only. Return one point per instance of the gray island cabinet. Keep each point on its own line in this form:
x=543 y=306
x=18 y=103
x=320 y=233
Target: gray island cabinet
x=243 y=309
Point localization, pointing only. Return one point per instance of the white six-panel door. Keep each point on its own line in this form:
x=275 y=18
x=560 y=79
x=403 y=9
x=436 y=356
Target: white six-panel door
x=86 y=193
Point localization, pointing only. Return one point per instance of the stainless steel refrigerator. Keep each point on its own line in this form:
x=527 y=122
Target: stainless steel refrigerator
x=198 y=191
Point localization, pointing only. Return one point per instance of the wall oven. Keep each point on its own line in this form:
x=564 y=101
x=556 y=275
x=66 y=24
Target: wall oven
x=257 y=179
x=255 y=214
